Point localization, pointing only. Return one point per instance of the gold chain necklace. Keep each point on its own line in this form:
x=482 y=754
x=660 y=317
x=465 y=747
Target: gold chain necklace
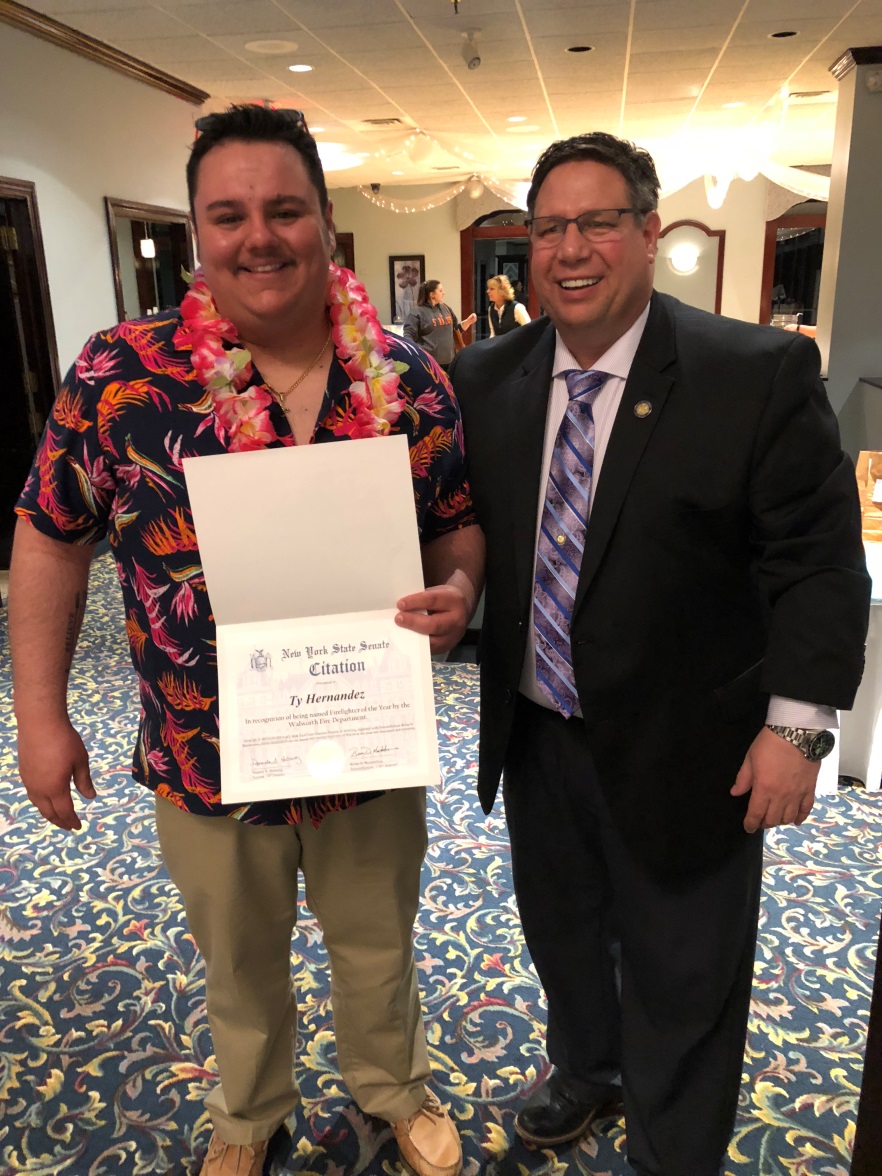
x=281 y=397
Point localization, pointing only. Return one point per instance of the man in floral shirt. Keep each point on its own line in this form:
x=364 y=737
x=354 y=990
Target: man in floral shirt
x=273 y=346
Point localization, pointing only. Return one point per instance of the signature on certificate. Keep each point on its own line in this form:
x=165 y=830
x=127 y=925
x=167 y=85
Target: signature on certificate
x=286 y=761
x=361 y=752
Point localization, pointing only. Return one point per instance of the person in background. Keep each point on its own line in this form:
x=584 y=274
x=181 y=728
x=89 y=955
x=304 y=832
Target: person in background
x=434 y=326
x=253 y=359
x=505 y=313
x=676 y=604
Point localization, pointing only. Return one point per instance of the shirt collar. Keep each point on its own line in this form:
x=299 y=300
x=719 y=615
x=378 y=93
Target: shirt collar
x=615 y=361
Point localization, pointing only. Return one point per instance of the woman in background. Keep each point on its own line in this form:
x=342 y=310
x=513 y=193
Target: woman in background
x=434 y=325
x=505 y=314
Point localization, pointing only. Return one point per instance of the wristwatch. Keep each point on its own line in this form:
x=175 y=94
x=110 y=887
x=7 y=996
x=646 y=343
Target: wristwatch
x=814 y=745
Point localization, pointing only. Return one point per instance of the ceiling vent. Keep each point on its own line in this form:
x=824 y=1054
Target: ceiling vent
x=812 y=96
x=383 y=122
x=448 y=167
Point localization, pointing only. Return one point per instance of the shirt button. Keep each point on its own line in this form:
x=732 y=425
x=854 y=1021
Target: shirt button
x=561 y=539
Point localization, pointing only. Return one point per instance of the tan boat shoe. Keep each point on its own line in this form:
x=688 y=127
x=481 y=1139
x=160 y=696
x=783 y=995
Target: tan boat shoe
x=234 y=1159
x=428 y=1142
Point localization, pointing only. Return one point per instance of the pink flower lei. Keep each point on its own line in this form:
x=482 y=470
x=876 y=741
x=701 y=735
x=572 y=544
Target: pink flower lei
x=242 y=413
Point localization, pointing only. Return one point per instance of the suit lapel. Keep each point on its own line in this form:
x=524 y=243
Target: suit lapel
x=524 y=405
x=647 y=387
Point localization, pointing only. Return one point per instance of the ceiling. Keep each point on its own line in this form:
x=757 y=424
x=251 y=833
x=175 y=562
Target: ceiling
x=682 y=77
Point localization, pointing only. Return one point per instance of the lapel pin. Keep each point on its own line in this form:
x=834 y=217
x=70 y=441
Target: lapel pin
x=642 y=409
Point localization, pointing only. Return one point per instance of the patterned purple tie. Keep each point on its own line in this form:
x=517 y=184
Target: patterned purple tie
x=562 y=541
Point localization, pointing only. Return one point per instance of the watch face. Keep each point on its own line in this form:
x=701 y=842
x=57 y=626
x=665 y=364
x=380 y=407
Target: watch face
x=822 y=744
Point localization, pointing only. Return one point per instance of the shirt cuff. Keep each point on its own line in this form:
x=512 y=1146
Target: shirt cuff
x=787 y=712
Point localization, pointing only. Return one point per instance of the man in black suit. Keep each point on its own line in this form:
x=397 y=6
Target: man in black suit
x=658 y=687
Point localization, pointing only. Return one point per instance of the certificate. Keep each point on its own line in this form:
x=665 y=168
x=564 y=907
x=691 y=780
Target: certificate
x=340 y=700
x=305 y=551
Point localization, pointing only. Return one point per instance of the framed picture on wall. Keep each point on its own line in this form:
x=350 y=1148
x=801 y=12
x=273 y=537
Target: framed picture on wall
x=406 y=273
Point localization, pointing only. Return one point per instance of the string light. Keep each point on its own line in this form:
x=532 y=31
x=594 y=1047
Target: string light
x=409 y=206
x=513 y=193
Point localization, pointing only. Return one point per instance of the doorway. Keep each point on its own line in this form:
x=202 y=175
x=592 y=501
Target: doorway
x=27 y=344
x=493 y=256
x=794 y=252
x=496 y=244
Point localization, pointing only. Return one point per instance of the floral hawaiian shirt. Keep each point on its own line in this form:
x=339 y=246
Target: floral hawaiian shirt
x=109 y=464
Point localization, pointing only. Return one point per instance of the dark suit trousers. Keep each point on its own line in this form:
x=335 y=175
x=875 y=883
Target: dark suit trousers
x=644 y=976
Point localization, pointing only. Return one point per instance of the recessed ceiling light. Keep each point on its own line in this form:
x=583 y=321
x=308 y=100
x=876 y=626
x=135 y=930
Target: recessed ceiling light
x=271 y=47
x=580 y=49
x=731 y=105
x=398 y=173
x=523 y=129
x=363 y=154
x=786 y=33
x=300 y=68
x=316 y=130
x=517 y=118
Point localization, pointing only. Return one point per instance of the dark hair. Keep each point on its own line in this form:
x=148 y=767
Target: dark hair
x=256 y=124
x=632 y=163
x=425 y=290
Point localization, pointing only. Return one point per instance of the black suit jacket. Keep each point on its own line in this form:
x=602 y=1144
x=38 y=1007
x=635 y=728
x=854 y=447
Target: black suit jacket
x=723 y=562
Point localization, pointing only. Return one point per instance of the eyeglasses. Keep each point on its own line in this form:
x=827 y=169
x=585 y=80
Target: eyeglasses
x=289 y=113
x=597 y=224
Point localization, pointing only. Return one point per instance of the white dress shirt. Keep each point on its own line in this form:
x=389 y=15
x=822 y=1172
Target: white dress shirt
x=616 y=362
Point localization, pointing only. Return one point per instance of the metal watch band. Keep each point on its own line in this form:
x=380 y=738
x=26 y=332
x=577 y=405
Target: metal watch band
x=814 y=743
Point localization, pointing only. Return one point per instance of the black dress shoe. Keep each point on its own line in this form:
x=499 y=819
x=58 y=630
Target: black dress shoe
x=560 y=1111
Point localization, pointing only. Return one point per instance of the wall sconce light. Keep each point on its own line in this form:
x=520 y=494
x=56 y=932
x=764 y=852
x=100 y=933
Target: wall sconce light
x=475 y=187
x=683 y=258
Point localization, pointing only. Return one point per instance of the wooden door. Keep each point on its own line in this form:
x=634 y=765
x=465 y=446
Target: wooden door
x=27 y=344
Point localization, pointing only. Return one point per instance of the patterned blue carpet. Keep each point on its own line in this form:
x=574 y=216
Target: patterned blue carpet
x=105 y=1054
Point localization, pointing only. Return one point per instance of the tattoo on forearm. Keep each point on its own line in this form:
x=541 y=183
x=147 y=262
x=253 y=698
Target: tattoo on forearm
x=74 y=620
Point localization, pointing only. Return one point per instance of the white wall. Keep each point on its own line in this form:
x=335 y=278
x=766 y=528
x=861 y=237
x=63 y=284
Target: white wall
x=81 y=132
x=380 y=234
x=698 y=287
x=743 y=218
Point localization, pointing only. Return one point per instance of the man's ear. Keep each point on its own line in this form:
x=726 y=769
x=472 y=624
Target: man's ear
x=191 y=220
x=651 y=230
x=329 y=221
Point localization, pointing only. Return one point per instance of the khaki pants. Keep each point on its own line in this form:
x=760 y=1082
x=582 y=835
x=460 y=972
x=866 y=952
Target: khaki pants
x=361 y=869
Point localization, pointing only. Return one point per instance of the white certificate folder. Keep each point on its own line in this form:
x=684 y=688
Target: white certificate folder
x=305 y=551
